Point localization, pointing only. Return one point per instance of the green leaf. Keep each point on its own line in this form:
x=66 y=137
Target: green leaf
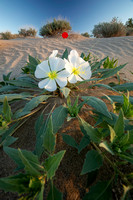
x=112 y=72
x=15 y=156
x=8 y=132
x=104 y=86
x=52 y=163
x=8 y=88
x=65 y=54
x=11 y=97
x=124 y=87
x=92 y=162
x=126 y=156
x=130 y=139
x=106 y=146
x=6 y=77
x=82 y=55
x=93 y=133
x=39 y=140
x=33 y=103
x=124 y=140
x=30 y=169
x=98 y=64
x=98 y=104
x=65 y=91
x=85 y=141
x=91 y=177
x=17 y=183
x=54 y=194
x=119 y=125
x=49 y=138
x=58 y=117
x=38 y=124
x=7 y=110
x=40 y=195
x=25 y=84
x=119 y=99
x=112 y=134
x=9 y=140
x=33 y=60
x=69 y=140
x=100 y=191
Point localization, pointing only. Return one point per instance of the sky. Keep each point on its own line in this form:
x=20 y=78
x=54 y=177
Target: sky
x=82 y=14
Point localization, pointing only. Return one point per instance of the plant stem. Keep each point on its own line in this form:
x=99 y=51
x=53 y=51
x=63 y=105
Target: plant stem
x=114 y=166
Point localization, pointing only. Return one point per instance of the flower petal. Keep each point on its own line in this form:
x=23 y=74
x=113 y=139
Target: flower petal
x=43 y=83
x=62 y=82
x=73 y=58
x=51 y=86
x=54 y=53
x=63 y=74
x=61 y=64
x=42 y=69
x=78 y=78
x=72 y=78
x=53 y=61
x=86 y=74
x=68 y=66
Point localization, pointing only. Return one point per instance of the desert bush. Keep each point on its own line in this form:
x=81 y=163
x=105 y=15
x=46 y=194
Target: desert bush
x=114 y=28
x=85 y=34
x=129 y=32
x=55 y=27
x=27 y=32
x=129 y=23
x=6 y=35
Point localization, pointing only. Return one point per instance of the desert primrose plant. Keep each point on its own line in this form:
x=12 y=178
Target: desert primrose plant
x=31 y=183
x=60 y=74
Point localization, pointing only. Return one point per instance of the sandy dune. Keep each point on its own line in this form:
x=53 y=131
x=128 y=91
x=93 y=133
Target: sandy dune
x=14 y=53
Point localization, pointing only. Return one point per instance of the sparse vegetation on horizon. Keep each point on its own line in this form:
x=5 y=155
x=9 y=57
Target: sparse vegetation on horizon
x=115 y=28
x=86 y=34
x=31 y=32
x=54 y=28
x=129 y=27
x=8 y=35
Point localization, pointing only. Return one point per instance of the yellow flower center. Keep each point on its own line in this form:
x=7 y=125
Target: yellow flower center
x=52 y=75
x=75 y=71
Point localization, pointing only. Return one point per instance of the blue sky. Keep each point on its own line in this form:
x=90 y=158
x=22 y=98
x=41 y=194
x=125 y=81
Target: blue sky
x=82 y=14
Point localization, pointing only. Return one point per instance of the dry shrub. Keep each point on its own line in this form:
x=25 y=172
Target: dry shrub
x=6 y=35
x=129 y=32
x=85 y=34
x=31 y=32
x=114 y=28
x=54 y=28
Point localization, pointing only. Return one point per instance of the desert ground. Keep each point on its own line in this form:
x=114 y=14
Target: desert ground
x=14 y=53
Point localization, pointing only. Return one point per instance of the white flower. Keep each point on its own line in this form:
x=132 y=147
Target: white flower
x=54 y=53
x=53 y=71
x=78 y=68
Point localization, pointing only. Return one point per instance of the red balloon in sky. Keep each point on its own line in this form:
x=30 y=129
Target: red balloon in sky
x=65 y=35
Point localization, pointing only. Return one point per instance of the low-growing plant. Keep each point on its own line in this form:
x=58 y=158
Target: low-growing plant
x=110 y=63
x=109 y=141
x=31 y=183
x=54 y=28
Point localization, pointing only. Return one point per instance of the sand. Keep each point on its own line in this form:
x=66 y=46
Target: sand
x=14 y=53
